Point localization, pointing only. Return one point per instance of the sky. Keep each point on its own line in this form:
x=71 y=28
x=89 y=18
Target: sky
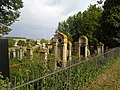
x=39 y=18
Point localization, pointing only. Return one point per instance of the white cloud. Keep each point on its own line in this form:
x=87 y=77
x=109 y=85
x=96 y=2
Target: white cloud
x=39 y=18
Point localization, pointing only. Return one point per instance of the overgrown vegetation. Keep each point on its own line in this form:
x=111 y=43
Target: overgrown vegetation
x=11 y=42
x=75 y=77
x=34 y=68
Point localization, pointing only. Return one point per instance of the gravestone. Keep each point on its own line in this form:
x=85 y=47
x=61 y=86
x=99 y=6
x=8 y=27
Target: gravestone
x=48 y=48
x=13 y=53
x=4 y=59
x=44 y=53
x=60 y=48
x=29 y=52
x=92 y=49
x=100 y=48
x=82 y=47
x=21 y=53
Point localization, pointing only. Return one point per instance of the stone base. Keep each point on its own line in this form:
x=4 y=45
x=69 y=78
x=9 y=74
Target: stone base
x=64 y=64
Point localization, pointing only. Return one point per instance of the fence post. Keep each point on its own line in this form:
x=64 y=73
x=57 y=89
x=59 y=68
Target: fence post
x=4 y=60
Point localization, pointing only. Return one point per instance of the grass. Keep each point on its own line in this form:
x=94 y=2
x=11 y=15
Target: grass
x=108 y=80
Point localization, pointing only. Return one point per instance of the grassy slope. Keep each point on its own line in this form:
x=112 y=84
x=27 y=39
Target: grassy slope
x=108 y=80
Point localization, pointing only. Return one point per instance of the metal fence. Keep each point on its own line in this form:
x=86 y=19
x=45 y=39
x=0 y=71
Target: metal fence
x=73 y=77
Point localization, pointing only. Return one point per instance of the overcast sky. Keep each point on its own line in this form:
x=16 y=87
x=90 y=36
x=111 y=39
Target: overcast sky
x=39 y=18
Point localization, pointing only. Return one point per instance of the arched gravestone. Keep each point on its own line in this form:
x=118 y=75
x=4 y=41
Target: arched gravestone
x=82 y=47
x=4 y=59
x=60 y=48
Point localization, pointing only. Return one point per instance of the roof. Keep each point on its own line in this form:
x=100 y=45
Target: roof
x=17 y=37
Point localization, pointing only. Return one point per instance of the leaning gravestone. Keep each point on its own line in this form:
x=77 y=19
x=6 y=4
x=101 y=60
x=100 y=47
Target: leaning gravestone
x=4 y=61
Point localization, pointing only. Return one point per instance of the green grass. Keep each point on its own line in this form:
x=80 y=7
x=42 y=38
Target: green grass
x=108 y=80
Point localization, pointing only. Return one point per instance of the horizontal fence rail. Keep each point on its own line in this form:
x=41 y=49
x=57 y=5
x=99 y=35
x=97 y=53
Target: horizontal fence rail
x=73 y=77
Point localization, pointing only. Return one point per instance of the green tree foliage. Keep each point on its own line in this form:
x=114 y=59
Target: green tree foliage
x=111 y=23
x=86 y=23
x=11 y=42
x=21 y=43
x=33 y=42
x=91 y=22
x=9 y=14
x=44 y=41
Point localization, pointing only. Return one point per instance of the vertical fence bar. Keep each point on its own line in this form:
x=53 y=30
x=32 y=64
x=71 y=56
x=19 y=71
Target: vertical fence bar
x=15 y=81
x=27 y=81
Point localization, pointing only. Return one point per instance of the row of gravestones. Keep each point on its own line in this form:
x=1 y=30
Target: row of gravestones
x=63 y=48
x=20 y=52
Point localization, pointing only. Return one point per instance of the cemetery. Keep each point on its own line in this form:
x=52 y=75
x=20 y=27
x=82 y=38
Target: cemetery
x=31 y=62
x=83 y=47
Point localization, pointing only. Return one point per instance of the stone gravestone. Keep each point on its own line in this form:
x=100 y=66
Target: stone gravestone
x=29 y=52
x=82 y=47
x=92 y=50
x=100 y=48
x=4 y=59
x=60 y=48
x=13 y=53
x=21 y=53
x=17 y=52
x=43 y=53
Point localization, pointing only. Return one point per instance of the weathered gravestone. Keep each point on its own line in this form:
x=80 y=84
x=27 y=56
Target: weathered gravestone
x=43 y=53
x=60 y=48
x=100 y=48
x=29 y=52
x=4 y=59
x=17 y=52
x=21 y=53
x=82 y=47
x=92 y=50
x=12 y=53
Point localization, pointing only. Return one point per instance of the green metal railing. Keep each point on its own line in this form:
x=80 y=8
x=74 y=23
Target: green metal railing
x=73 y=77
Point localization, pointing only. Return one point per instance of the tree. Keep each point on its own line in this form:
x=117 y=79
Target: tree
x=44 y=41
x=86 y=23
x=33 y=42
x=9 y=14
x=21 y=43
x=11 y=42
x=91 y=22
x=111 y=23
